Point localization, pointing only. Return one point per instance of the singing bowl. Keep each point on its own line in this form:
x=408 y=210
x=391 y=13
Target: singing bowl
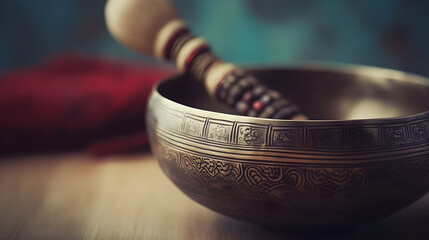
x=364 y=156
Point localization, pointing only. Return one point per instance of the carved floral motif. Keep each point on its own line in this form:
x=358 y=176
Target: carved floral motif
x=286 y=138
x=394 y=135
x=219 y=133
x=419 y=131
x=194 y=127
x=251 y=135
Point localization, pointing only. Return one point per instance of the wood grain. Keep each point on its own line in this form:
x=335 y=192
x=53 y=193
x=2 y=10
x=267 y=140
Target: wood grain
x=75 y=196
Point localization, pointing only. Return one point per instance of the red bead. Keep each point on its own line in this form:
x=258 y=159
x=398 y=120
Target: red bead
x=258 y=105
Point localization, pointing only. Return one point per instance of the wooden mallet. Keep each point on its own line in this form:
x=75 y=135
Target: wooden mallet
x=153 y=27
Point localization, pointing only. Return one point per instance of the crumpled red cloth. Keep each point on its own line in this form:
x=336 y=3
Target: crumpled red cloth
x=76 y=102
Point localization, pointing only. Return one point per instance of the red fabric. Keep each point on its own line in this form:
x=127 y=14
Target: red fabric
x=73 y=102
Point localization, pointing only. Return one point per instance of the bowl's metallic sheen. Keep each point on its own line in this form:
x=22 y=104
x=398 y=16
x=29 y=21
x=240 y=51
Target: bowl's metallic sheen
x=365 y=158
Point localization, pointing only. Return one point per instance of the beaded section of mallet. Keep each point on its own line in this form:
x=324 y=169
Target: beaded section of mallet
x=249 y=97
x=223 y=81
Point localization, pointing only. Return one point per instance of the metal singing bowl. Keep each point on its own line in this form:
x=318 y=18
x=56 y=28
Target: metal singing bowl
x=364 y=157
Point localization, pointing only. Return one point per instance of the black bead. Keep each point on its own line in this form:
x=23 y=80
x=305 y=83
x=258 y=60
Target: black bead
x=235 y=92
x=286 y=112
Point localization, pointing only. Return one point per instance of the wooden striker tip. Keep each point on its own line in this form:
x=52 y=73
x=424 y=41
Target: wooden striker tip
x=136 y=23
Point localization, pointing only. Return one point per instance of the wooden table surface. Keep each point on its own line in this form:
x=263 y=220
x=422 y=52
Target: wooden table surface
x=75 y=196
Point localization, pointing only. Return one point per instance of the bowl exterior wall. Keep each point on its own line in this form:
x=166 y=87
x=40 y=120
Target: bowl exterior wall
x=291 y=174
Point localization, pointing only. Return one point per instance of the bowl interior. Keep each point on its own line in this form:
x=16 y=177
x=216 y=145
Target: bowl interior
x=325 y=93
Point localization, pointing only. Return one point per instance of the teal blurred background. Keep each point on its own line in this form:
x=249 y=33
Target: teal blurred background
x=386 y=33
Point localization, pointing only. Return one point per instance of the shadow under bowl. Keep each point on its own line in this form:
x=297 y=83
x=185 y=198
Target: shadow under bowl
x=364 y=157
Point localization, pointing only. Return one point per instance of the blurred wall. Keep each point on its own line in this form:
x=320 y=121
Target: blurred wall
x=386 y=33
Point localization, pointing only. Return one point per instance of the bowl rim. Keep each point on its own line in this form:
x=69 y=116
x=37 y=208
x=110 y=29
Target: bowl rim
x=378 y=73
